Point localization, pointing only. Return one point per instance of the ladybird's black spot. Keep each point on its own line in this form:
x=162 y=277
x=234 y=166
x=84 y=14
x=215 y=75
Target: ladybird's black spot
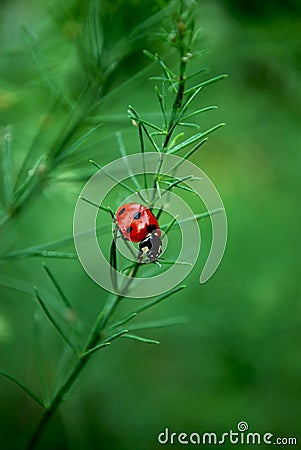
x=121 y=211
x=129 y=229
x=137 y=215
x=151 y=227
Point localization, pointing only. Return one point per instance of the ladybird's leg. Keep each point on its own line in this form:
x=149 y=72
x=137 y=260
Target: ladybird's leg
x=156 y=262
x=119 y=233
x=148 y=259
x=140 y=257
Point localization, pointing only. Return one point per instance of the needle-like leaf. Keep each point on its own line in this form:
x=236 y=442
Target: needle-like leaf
x=122 y=322
x=170 y=75
x=70 y=313
x=16 y=284
x=176 y=183
x=199 y=111
x=162 y=105
x=179 y=186
x=158 y=324
x=121 y=183
x=43 y=249
x=205 y=83
x=30 y=180
x=180 y=263
x=106 y=342
x=124 y=155
x=57 y=286
x=54 y=322
x=201 y=215
x=159 y=299
x=194 y=138
x=7 y=169
x=167 y=227
x=22 y=386
x=63 y=155
x=39 y=252
x=197 y=72
x=136 y=118
x=103 y=208
x=37 y=350
x=142 y=150
x=115 y=336
x=140 y=339
x=146 y=122
x=94 y=349
x=188 y=154
x=188 y=124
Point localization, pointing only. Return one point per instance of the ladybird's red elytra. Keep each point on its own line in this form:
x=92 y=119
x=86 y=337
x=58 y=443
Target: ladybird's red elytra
x=135 y=221
x=138 y=224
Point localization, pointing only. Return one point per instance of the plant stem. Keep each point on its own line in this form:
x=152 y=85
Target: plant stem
x=56 y=154
x=93 y=338
x=177 y=103
x=173 y=118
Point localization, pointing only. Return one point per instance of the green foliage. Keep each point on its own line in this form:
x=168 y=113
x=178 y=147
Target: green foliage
x=241 y=344
x=54 y=156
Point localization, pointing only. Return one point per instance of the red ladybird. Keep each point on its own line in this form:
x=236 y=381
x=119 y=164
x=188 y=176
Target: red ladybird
x=138 y=224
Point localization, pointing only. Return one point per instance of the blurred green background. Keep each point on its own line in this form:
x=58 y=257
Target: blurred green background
x=238 y=356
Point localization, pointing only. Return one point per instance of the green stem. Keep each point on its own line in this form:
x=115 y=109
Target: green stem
x=93 y=338
x=55 y=155
x=177 y=105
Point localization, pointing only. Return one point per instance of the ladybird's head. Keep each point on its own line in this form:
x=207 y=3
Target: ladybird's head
x=151 y=246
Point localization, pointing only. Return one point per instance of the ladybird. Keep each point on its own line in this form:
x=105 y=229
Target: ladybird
x=138 y=224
